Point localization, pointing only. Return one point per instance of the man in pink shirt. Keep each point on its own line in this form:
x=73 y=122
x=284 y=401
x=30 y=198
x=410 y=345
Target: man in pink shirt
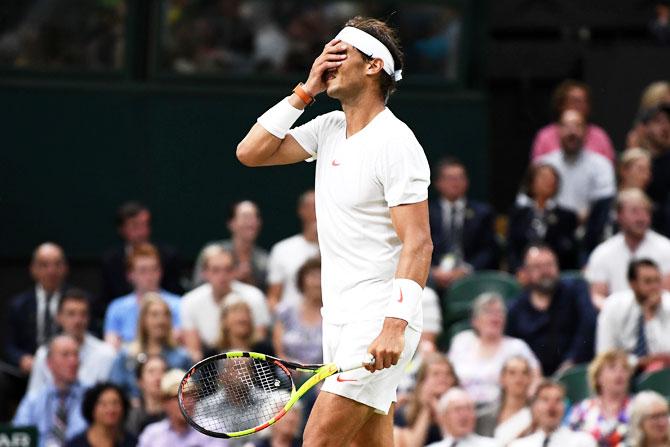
x=573 y=95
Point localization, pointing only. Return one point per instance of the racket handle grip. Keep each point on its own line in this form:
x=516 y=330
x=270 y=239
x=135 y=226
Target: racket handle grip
x=356 y=363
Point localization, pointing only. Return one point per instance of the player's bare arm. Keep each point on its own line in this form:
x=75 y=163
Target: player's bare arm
x=411 y=224
x=260 y=147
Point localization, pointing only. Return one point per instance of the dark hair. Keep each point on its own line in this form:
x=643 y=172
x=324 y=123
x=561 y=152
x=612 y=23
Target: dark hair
x=561 y=94
x=129 y=210
x=232 y=209
x=143 y=360
x=448 y=162
x=73 y=294
x=389 y=37
x=308 y=266
x=543 y=385
x=542 y=246
x=531 y=174
x=635 y=265
x=92 y=396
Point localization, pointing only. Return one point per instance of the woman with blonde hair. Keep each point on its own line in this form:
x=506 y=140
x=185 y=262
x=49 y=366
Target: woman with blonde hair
x=435 y=377
x=649 y=423
x=154 y=337
x=606 y=415
x=237 y=329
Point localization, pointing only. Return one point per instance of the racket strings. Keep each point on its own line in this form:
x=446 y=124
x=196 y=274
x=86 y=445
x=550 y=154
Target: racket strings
x=236 y=394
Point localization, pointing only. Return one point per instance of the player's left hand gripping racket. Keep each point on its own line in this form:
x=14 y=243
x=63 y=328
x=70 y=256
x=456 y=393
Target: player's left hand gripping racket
x=240 y=393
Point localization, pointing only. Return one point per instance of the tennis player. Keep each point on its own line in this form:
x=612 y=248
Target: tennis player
x=372 y=217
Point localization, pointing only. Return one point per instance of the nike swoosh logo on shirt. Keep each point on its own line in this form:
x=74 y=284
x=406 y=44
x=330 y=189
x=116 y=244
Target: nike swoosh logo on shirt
x=335 y=163
x=400 y=299
x=340 y=379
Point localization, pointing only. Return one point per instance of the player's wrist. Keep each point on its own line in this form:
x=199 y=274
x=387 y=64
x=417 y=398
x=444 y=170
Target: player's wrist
x=405 y=300
x=394 y=324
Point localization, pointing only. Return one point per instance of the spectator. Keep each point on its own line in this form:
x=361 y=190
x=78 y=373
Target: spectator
x=133 y=223
x=649 y=424
x=297 y=331
x=105 y=408
x=654 y=94
x=201 y=307
x=31 y=315
x=586 y=176
x=548 y=408
x=286 y=432
x=606 y=416
x=432 y=319
x=553 y=316
x=95 y=356
x=144 y=272
x=173 y=430
x=462 y=230
x=56 y=409
x=237 y=330
x=417 y=425
x=288 y=255
x=154 y=337
x=634 y=172
x=149 y=409
x=606 y=268
x=654 y=130
x=572 y=95
x=638 y=320
x=509 y=417
x=479 y=354
x=536 y=217
x=659 y=27
x=250 y=261
x=456 y=416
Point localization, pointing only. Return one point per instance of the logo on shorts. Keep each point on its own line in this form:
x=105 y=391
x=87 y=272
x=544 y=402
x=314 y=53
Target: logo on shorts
x=340 y=379
x=400 y=299
x=335 y=163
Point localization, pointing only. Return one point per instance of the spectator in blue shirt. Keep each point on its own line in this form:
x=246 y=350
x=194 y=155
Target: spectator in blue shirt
x=154 y=337
x=554 y=316
x=144 y=273
x=56 y=409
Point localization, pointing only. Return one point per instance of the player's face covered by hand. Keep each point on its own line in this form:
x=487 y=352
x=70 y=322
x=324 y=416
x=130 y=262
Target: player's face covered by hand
x=349 y=78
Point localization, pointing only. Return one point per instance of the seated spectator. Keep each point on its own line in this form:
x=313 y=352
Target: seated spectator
x=154 y=337
x=509 y=418
x=31 y=316
x=174 y=430
x=133 y=223
x=606 y=416
x=536 y=217
x=105 y=408
x=649 y=421
x=149 y=409
x=586 y=176
x=572 y=95
x=237 y=330
x=638 y=320
x=479 y=354
x=417 y=424
x=553 y=316
x=201 y=307
x=548 y=409
x=655 y=135
x=144 y=272
x=249 y=260
x=606 y=268
x=462 y=230
x=288 y=255
x=456 y=416
x=95 y=356
x=634 y=172
x=286 y=432
x=297 y=331
x=56 y=409
x=656 y=93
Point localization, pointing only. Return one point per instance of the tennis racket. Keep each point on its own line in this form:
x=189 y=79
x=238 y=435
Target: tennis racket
x=240 y=393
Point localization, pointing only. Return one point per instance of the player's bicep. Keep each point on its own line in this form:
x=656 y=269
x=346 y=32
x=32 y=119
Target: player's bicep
x=288 y=152
x=411 y=220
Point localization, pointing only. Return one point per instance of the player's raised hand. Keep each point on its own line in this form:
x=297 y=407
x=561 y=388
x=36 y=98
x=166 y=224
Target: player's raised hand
x=388 y=345
x=334 y=52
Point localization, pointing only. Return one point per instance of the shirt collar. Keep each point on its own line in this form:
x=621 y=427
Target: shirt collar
x=460 y=203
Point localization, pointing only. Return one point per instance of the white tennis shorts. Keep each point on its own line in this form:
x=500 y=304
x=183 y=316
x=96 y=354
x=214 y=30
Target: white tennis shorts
x=342 y=342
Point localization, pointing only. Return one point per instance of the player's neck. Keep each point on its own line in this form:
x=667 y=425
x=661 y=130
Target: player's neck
x=360 y=110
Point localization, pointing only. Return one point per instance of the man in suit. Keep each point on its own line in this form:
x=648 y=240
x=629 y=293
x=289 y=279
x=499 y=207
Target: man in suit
x=134 y=226
x=462 y=229
x=31 y=315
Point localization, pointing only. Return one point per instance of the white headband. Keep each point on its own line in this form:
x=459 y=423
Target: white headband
x=371 y=47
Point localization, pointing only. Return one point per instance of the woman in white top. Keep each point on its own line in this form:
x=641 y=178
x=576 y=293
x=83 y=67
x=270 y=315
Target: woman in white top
x=479 y=354
x=509 y=417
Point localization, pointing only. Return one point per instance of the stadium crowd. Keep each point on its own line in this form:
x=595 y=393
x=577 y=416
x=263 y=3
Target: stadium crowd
x=586 y=247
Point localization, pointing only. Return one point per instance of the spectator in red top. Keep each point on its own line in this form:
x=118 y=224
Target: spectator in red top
x=572 y=95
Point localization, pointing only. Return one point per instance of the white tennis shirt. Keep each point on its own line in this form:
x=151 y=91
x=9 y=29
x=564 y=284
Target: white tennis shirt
x=357 y=180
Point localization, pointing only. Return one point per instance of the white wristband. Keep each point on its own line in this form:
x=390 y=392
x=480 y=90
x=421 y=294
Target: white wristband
x=279 y=119
x=405 y=299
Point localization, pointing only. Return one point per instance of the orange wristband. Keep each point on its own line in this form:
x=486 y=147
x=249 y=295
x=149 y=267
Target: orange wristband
x=302 y=94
